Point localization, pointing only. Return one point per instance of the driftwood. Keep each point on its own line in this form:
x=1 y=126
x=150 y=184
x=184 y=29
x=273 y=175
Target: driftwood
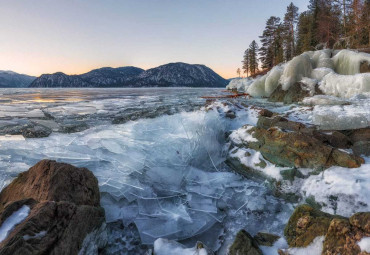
x=227 y=96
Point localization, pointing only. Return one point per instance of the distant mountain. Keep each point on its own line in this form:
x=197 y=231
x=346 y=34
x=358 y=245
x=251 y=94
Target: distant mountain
x=169 y=75
x=179 y=74
x=9 y=79
x=103 y=77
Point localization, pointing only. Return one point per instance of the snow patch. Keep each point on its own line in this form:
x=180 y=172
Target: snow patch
x=13 y=220
x=344 y=191
x=165 y=247
x=364 y=244
x=314 y=248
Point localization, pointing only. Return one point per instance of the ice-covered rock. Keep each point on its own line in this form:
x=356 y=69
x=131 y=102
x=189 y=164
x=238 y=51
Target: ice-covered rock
x=239 y=84
x=295 y=70
x=348 y=62
x=338 y=75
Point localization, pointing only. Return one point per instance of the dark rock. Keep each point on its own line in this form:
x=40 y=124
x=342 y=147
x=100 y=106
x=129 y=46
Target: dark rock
x=361 y=141
x=266 y=113
x=359 y=135
x=244 y=244
x=364 y=67
x=295 y=93
x=36 y=132
x=334 y=138
x=230 y=114
x=266 y=239
x=65 y=206
x=27 y=129
x=52 y=181
x=280 y=122
x=290 y=174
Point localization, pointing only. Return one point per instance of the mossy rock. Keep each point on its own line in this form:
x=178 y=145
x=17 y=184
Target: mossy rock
x=244 y=244
x=290 y=174
x=305 y=224
x=266 y=239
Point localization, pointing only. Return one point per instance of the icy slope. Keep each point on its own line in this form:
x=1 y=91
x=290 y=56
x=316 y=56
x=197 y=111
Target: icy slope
x=336 y=73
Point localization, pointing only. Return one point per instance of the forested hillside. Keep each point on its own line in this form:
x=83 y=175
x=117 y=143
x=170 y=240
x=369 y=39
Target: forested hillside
x=337 y=24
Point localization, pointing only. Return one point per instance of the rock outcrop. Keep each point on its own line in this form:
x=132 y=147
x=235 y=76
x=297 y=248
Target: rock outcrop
x=244 y=244
x=341 y=234
x=295 y=93
x=64 y=204
x=296 y=149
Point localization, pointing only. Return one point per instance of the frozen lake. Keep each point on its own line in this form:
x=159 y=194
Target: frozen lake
x=159 y=158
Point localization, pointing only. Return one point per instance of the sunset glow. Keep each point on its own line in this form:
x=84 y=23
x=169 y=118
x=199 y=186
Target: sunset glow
x=77 y=36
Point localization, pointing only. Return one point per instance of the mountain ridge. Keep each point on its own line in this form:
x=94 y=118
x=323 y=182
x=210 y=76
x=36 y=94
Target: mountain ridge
x=10 y=79
x=177 y=74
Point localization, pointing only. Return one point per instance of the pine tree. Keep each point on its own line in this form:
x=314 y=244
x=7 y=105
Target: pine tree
x=245 y=62
x=270 y=39
x=238 y=72
x=253 y=60
x=304 y=33
x=344 y=6
x=290 y=21
x=364 y=33
x=313 y=9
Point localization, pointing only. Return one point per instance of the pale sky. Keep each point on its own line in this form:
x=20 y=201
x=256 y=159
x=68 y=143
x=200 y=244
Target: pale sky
x=75 y=36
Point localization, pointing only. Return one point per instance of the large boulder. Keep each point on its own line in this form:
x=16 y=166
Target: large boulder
x=305 y=224
x=296 y=149
x=341 y=235
x=64 y=204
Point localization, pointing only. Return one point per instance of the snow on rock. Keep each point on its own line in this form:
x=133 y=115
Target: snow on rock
x=165 y=247
x=254 y=160
x=338 y=76
x=240 y=135
x=13 y=220
x=364 y=244
x=340 y=190
x=273 y=250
